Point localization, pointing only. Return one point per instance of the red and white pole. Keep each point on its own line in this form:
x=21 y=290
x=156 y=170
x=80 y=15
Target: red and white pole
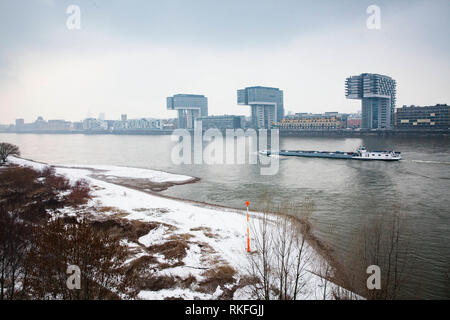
x=248 y=229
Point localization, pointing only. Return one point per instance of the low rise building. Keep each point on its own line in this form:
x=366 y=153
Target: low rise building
x=428 y=117
x=307 y=121
x=92 y=124
x=137 y=124
x=59 y=125
x=354 y=121
x=221 y=122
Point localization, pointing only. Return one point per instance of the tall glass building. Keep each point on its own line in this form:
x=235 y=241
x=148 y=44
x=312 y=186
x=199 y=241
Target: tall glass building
x=266 y=105
x=377 y=94
x=189 y=107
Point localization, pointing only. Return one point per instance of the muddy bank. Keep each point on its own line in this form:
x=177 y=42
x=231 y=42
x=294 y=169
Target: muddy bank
x=141 y=184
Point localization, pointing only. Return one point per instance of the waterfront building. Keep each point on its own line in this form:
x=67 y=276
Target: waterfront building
x=123 y=117
x=266 y=105
x=354 y=120
x=354 y=123
x=77 y=126
x=169 y=124
x=221 y=122
x=137 y=124
x=377 y=94
x=92 y=124
x=39 y=124
x=20 y=123
x=189 y=107
x=308 y=121
x=59 y=125
x=427 y=117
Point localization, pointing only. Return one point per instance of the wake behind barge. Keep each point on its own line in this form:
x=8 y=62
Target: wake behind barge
x=360 y=154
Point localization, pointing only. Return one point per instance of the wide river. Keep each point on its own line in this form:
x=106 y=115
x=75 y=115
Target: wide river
x=348 y=195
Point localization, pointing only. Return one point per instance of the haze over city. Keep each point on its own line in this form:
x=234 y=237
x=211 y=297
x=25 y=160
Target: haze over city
x=129 y=56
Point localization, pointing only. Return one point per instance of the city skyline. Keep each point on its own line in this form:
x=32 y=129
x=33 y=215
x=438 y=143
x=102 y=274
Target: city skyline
x=124 y=62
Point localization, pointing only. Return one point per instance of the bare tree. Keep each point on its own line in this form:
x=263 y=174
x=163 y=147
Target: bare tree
x=385 y=247
x=14 y=240
x=383 y=243
x=279 y=262
x=260 y=269
x=6 y=150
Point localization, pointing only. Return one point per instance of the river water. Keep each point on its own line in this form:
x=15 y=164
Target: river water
x=347 y=194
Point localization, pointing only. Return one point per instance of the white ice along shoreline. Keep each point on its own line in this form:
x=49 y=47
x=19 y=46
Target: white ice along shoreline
x=136 y=173
x=228 y=225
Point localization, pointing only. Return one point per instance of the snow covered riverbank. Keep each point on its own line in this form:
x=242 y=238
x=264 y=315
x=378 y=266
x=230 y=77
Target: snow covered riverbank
x=215 y=237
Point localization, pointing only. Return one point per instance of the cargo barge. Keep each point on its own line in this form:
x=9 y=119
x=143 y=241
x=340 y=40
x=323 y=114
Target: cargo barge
x=360 y=154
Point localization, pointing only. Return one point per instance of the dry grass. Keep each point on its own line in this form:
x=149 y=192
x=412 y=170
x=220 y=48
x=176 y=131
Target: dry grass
x=129 y=229
x=166 y=282
x=203 y=228
x=142 y=263
x=206 y=231
x=113 y=212
x=181 y=236
x=105 y=209
x=157 y=283
x=119 y=214
x=166 y=265
x=172 y=249
x=218 y=276
x=212 y=235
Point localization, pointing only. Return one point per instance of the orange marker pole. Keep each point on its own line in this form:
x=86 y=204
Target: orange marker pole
x=248 y=230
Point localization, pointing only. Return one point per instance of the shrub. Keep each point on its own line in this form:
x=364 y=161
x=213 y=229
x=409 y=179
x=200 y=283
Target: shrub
x=59 y=183
x=81 y=192
x=99 y=256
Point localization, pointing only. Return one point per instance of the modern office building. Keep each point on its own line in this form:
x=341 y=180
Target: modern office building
x=377 y=94
x=221 y=122
x=266 y=105
x=429 y=117
x=189 y=107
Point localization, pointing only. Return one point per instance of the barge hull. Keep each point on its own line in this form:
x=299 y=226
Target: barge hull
x=330 y=155
x=312 y=155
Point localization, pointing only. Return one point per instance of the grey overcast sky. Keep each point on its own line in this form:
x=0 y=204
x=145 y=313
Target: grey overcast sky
x=129 y=56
